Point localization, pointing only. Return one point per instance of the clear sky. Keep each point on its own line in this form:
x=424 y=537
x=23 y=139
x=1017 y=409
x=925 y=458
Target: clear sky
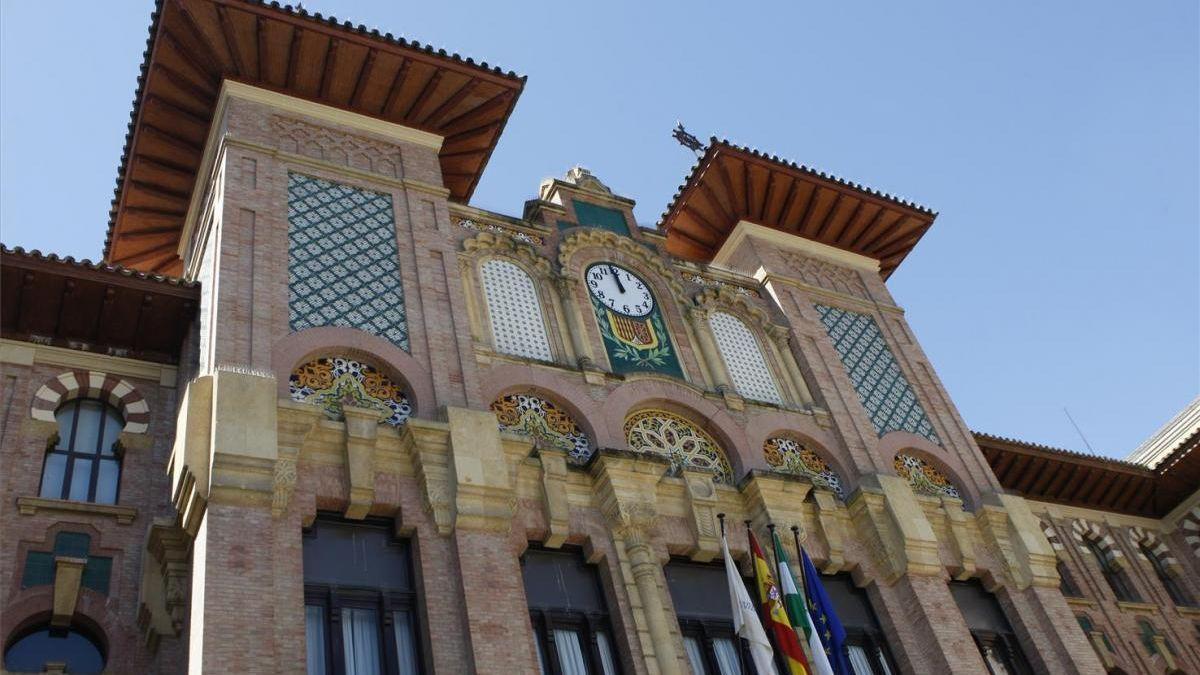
x=1059 y=141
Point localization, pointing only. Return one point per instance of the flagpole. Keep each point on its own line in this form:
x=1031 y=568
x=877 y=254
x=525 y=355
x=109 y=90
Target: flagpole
x=721 y=519
x=800 y=560
x=780 y=658
x=774 y=558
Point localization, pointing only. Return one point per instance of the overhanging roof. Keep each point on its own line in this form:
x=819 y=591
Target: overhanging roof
x=732 y=183
x=1051 y=474
x=94 y=307
x=195 y=44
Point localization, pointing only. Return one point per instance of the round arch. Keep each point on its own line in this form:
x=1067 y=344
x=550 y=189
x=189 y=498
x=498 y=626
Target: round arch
x=943 y=459
x=93 y=384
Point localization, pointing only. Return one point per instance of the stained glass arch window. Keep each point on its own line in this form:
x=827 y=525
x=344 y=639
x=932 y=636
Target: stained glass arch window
x=744 y=358
x=924 y=478
x=791 y=455
x=514 y=310
x=533 y=415
x=678 y=439
x=332 y=382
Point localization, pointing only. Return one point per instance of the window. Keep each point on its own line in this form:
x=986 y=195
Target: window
x=699 y=593
x=1066 y=583
x=84 y=465
x=993 y=634
x=514 y=310
x=865 y=647
x=743 y=358
x=32 y=650
x=1114 y=575
x=360 y=611
x=568 y=614
x=1179 y=595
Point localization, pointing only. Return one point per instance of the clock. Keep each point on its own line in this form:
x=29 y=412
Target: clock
x=619 y=289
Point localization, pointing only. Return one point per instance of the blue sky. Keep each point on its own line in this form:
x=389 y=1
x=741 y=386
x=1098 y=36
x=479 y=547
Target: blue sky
x=1059 y=141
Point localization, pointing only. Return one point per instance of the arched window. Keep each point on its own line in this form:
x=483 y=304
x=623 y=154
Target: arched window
x=84 y=464
x=1113 y=574
x=518 y=327
x=533 y=415
x=924 y=478
x=32 y=650
x=1179 y=595
x=789 y=455
x=331 y=382
x=743 y=358
x=685 y=444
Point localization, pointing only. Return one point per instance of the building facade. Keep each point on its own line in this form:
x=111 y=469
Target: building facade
x=316 y=413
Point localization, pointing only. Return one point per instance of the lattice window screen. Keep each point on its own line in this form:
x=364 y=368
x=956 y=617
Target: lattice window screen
x=518 y=327
x=744 y=358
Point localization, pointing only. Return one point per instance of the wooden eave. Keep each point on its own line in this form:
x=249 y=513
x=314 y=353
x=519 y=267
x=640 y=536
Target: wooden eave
x=732 y=183
x=94 y=307
x=1060 y=476
x=196 y=44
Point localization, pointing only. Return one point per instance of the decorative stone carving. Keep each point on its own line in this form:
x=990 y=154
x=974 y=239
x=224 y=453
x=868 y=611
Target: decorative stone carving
x=611 y=242
x=961 y=542
x=703 y=506
x=493 y=243
x=336 y=147
x=827 y=275
x=362 y=426
x=554 y=491
x=482 y=226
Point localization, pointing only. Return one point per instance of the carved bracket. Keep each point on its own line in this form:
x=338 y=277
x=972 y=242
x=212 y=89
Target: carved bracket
x=554 y=490
x=703 y=505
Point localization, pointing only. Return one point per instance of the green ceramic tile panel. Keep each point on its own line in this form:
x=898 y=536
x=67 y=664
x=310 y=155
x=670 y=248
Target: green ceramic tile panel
x=626 y=356
x=890 y=401
x=39 y=569
x=343 y=266
x=72 y=544
x=590 y=215
x=97 y=573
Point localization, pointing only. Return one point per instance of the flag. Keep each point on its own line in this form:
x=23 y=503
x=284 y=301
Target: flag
x=745 y=619
x=797 y=610
x=824 y=618
x=768 y=593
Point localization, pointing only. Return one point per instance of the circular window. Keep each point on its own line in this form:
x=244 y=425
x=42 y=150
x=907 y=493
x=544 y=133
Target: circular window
x=30 y=653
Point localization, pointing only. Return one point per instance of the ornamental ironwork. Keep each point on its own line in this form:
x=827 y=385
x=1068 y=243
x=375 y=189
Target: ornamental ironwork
x=544 y=421
x=924 y=478
x=334 y=382
x=679 y=440
x=791 y=456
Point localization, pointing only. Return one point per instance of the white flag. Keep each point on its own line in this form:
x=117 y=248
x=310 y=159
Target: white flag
x=745 y=618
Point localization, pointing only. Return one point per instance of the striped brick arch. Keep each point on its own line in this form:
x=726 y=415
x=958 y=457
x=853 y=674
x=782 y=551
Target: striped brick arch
x=1052 y=537
x=92 y=384
x=1190 y=524
x=1155 y=546
x=1086 y=530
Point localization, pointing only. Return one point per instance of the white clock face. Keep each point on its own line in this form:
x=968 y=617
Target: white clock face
x=619 y=289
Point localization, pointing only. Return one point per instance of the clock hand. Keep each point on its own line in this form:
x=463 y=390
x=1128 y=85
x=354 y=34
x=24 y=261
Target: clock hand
x=617 y=276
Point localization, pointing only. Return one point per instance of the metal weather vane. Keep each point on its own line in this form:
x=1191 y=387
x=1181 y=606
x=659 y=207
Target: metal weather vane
x=687 y=140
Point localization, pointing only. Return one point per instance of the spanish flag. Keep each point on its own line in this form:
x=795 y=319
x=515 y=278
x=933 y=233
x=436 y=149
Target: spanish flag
x=775 y=616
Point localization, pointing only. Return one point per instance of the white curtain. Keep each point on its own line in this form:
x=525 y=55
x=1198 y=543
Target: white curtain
x=692 y=647
x=727 y=657
x=606 y=653
x=360 y=641
x=314 y=635
x=994 y=663
x=859 y=660
x=570 y=654
x=883 y=663
x=406 y=652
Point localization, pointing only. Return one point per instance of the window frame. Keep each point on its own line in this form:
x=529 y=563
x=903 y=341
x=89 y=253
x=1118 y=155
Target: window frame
x=97 y=456
x=583 y=624
x=332 y=598
x=1180 y=596
x=1116 y=578
x=1006 y=646
x=545 y=308
x=706 y=631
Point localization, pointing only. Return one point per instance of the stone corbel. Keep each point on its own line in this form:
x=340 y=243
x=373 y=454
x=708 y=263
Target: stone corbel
x=774 y=498
x=163 y=602
x=68 y=575
x=484 y=490
x=960 y=538
x=362 y=430
x=895 y=529
x=554 y=491
x=1016 y=536
x=190 y=456
x=702 y=502
x=428 y=443
x=1106 y=657
x=245 y=438
x=296 y=429
x=831 y=521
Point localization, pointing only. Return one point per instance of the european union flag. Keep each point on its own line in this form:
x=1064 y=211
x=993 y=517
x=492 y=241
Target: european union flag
x=824 y=618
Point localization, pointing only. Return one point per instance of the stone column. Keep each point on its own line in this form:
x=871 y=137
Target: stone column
x=568 y=291
x=718 y=375
x=626 y=483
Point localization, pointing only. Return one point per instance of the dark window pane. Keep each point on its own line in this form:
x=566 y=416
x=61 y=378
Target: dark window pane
x=699 y=591
x=81 y=480
x=561 y=580
x=65 y=416
x=112 y=429
x=106 y=482
x=87 y=427
x=360 y=555
x=31 y=652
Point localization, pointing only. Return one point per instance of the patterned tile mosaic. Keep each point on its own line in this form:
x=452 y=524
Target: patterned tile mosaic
x=674 y=437
x=331 y=383
x=535 y=416
x=889 y=399
x=343 y=268
x=791 y=456
x=743 y=358
x=924 y=478
x=518 y=326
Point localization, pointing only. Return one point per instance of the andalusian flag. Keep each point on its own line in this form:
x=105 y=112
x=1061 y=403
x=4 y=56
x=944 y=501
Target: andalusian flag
x=773 y=612
x=797 y=611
